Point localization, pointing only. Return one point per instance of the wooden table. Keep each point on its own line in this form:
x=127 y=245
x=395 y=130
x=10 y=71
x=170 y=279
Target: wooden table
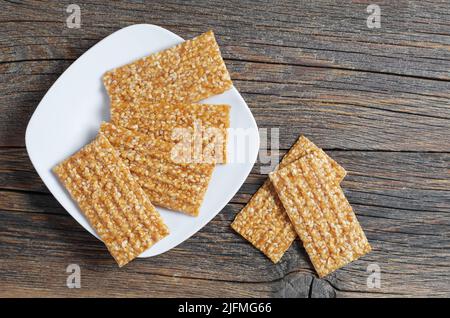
x=376 y=99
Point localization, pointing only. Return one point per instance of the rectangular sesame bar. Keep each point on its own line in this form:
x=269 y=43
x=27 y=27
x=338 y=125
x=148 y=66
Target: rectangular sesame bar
x=188 y=72
x=179 y=121
x=263 y=221
x=162 y=169
x=320 y=213
x=112 y=201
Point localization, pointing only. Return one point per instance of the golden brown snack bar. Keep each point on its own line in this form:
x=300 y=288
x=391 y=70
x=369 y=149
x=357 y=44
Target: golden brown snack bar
x=112 y=201
x=304 y=146
x=263 y=221
x=188 y=72
x=320 y=212
x=168 y=179
x=172 y=121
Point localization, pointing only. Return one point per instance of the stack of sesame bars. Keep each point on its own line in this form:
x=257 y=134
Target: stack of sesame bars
x=147 y=154
x=303 y=198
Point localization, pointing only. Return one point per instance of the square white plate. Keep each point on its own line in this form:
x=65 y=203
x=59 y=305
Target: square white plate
x=69 y=116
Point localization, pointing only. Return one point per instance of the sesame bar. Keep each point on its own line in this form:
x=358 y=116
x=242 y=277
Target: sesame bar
x=188 y=72
x=112 y=201
x=304 y=146
x=320 y=213
x=179 y=120
x=263 y=221
x=163 y=172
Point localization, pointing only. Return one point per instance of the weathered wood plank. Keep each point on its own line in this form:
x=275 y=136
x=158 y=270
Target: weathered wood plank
x=49 y=242
x=423 y=171
x=17 y=172
x=402 y=201
x=309 y=66
x=413 y=39
x=367 y=111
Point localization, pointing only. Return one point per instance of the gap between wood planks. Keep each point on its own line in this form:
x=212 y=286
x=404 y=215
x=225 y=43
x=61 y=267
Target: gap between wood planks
x=341 y=69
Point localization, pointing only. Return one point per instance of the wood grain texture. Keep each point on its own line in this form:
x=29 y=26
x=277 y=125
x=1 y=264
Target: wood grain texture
x=401 y=199
x=376 y=99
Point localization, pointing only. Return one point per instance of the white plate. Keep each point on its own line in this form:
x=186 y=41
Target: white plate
x=69 y=116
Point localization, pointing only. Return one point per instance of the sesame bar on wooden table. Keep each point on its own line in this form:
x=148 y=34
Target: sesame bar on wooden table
x=263 y=221
x=320 y=213
x=111 y=199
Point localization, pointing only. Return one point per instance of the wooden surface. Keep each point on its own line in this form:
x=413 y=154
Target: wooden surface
x=378 y=100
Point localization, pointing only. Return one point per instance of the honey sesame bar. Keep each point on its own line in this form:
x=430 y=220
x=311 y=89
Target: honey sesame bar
x=112 y=201
x=168 y=179
x=320 y=213
x=172 y=121
x=263 y=221
x=188 y=72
